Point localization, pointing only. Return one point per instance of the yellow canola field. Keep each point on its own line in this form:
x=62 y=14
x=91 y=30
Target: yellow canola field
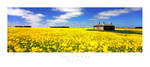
x=73 y=40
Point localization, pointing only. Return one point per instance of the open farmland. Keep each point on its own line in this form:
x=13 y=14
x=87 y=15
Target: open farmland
x=74 y=40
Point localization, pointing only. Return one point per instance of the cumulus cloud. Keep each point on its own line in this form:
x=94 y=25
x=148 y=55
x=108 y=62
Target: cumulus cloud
x=91 y=19
x=12 y=24
x=136 y=8
x=115 y=12
x=69 y=13
x=18 y=12
x=34 y=19
x=31 y=18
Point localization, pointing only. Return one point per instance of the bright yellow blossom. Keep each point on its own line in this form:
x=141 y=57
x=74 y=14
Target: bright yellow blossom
x=74 y=40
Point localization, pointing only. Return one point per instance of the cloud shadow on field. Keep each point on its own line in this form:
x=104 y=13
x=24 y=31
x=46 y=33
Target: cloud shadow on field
x=119 y=31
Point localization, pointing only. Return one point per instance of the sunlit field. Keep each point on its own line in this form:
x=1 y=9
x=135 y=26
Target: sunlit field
x=74 y=40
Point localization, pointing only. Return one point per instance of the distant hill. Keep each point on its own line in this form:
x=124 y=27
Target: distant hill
x=22 y=26
x=138 y=27
x=59 y=27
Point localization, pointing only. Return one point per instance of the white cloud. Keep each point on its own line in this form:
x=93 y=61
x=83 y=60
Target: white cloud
x=35 y=19
x=136 y=8
x=31 y=18
x=11 y=24
x=69 y=13
x=67 y=9
x=92 y=19
x=102 y=17
x=115 y=12
x=18 y=12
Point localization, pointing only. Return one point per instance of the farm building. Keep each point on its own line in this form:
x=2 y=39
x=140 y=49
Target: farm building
x=104 y=26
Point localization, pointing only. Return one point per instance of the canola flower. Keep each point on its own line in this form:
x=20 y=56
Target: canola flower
x=74 y=40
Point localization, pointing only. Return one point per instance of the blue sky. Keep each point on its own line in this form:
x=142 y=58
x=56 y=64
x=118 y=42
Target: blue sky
x=74 y=16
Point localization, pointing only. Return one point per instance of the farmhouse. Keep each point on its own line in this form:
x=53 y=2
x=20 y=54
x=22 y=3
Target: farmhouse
x=104 y=26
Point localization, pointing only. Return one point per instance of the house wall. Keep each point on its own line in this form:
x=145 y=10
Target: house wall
x=105 y=28
x=99 y=28
x=109 y=28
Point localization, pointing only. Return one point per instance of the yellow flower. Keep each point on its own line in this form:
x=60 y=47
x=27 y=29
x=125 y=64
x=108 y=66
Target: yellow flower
x=54 y=47
x=18 y=49
x=72 y=39
x=105 y=48
x=35 y=49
